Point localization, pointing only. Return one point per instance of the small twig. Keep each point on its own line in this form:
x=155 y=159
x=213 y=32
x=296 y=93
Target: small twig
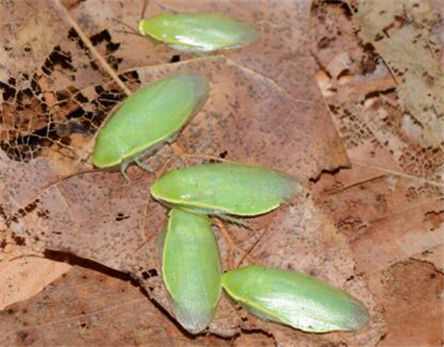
x=392 y=73
x=144 y=8
x=50 y=185
x=94 y=52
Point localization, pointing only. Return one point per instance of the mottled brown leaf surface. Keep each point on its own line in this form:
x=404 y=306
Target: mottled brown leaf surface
x=409 y=52
x=88 y=308
x=411 y=291
x=390 y=203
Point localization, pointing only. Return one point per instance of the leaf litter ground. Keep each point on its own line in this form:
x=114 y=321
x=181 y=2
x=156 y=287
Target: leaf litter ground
x=264 y=108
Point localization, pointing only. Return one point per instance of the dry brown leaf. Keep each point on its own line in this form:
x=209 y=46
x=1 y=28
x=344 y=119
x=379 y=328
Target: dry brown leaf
x=400 y=33
x=34 y=272
x=411 y=291
x=394 y=175
x=390 y=203
x=88 y=308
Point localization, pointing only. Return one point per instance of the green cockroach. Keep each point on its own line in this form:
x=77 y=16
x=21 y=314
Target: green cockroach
x=191 y=269
x=149 y=117
x=198 y=32
x=226 y=189
x=300 y=301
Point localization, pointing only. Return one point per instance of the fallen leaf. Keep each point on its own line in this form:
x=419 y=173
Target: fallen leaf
x=389 y=203
x=411 y=292
x=86 y=307
x=35 y=272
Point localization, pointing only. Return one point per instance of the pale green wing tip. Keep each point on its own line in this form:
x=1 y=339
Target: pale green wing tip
x=359 y=317
x=355 y=318
x=192 y=320
x=195 y=81
x=251 y=35
x=296 y=187
x=199 y=81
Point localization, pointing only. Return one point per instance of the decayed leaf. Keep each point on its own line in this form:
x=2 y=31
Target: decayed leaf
x=376 y=213
x=393 y=172
x=400 y=32
x=390 y=203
